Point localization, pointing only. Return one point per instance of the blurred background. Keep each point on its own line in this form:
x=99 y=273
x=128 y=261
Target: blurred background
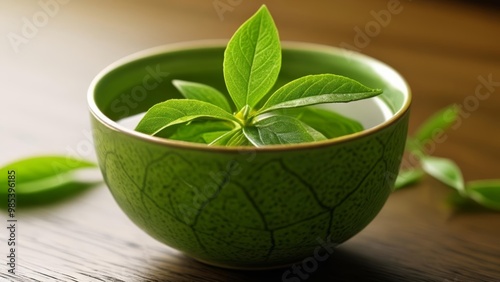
x=52 y=49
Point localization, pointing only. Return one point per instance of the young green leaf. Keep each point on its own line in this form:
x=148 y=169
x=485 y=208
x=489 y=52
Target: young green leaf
x=197 y=130
x=327 y=122
x=485 y=192
x=444 y=170
x=408 y=177
x=276 y=130
x=317 y=89
x=210 y=137
x=252 y=60
x=232 y=138
x=40 y=174
x=436 y=124
x=202 y=92
x=315 y=134
x=174 y=111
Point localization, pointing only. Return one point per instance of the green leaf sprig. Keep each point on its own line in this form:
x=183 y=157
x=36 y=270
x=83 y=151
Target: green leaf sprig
x=252 y=63
x=484 y=192
x=41 y=179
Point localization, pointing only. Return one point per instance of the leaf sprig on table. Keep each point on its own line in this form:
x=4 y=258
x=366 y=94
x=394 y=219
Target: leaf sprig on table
x=42 y=179
x=252 y=63
x=484 y=192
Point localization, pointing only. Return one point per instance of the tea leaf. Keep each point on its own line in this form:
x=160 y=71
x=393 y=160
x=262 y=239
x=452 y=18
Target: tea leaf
x=436 y=124
x=196 y=131
x=276 y=130
x=485 y=192
x=444 y=170
x=317 y=89
x=238 y=139
x=408 y=177
x=42 y=173
x=252 y=60
x=328 y=123
x=315 y=134
x=210 y=137
x=202 y=92
x=174 y=111
x=232 y=138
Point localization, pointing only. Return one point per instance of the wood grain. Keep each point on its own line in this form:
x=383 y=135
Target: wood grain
x=445 y=49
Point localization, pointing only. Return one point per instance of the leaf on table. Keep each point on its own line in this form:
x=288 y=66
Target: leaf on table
x=317 y=89
x=436 y=125
x=444 y=170
x=277 y=130
x=202 y=92
x=252 y=60
x=328 y=123
x=408 y=177
x=177 y=111
x=485 y=192
x=43 y=174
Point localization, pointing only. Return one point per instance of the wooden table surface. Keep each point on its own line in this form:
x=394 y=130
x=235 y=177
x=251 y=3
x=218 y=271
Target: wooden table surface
x=51 y=50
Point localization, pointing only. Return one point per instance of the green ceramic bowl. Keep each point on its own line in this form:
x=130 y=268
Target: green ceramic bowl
x=247 y=207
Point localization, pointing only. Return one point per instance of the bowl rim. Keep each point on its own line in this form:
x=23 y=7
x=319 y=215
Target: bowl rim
x=216 y=43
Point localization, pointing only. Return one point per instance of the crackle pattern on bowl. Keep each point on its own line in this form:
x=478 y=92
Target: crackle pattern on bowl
x=251 y=208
